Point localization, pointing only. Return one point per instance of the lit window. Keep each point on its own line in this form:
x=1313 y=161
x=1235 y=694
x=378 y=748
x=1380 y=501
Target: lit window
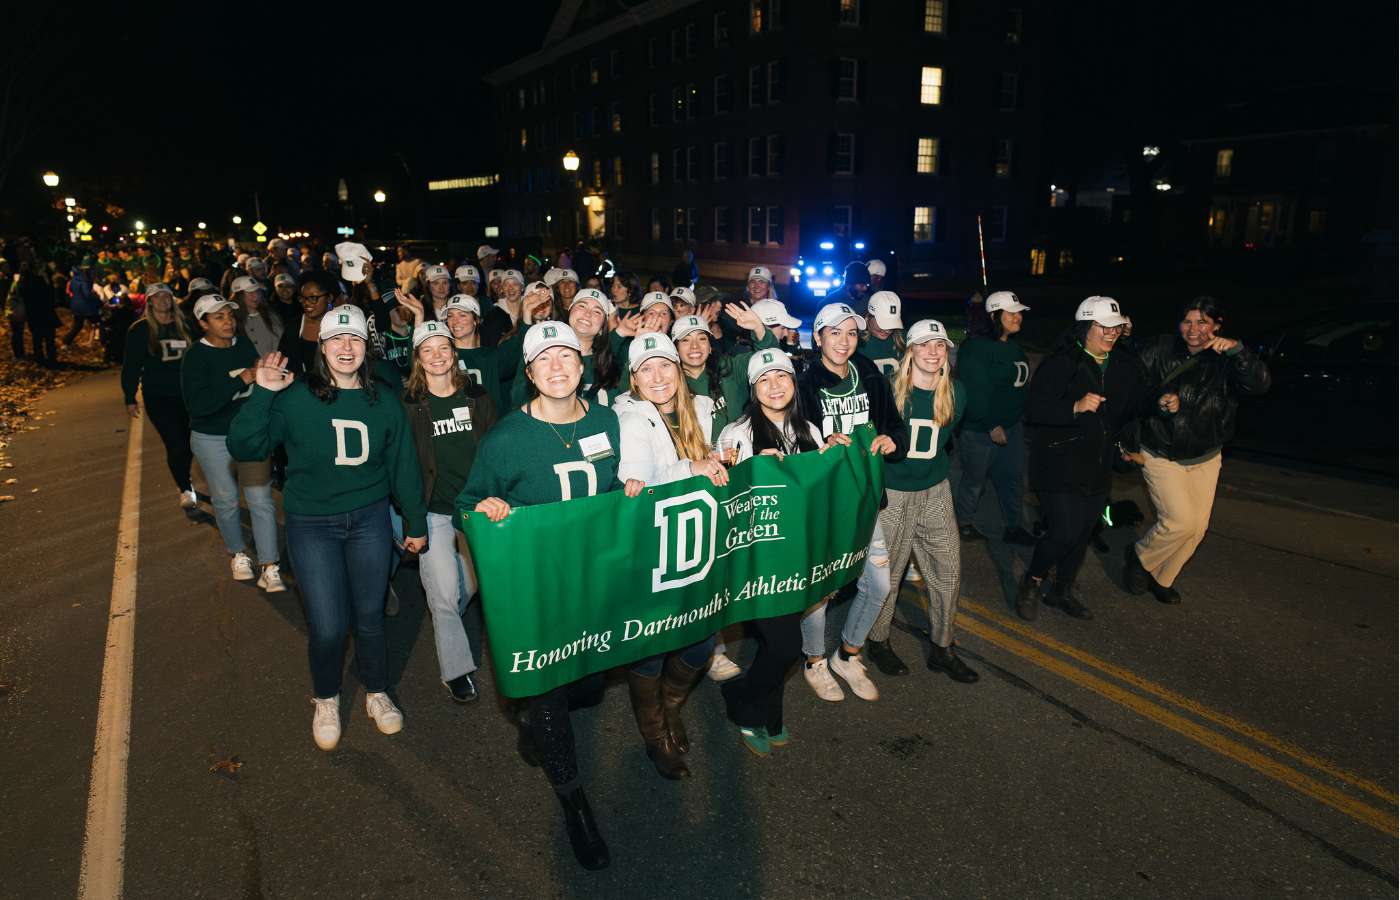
x=1013 y=26
x=617 y=170
x=931 y=85
x=1002 y=165
x=928 y=156
x=1317 y=221
x=522 y=98
x=1037 y=262
x=997 y=229
x=593 y=71
x=1224 y=159
x=678 y=225
x=848 y=12
x=616 y=123
x=755 y=16
x=1008 y=91
x=923 y=224
x=655 y=167
x=935 y=16
x=1066 y=260
x=847 y=71
x=844 y=157
x=656 y=224
x=524 y=138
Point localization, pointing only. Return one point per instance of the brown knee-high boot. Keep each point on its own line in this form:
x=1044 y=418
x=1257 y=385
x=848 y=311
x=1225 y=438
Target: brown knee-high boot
x=651 y=722
x=677 y=679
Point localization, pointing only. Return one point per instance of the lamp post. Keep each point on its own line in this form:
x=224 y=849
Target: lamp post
x=379 y=198
x=51 y=179
x=571 y=163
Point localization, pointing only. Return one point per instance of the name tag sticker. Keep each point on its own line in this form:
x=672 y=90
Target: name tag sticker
x=595 y=447
x=462 y=413
x=178 y=345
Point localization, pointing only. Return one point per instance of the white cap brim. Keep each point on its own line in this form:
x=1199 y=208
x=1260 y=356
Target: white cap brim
x=887 y=321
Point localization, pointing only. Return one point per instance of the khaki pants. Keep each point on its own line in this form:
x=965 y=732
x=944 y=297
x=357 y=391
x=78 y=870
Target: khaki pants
x=1184 y=496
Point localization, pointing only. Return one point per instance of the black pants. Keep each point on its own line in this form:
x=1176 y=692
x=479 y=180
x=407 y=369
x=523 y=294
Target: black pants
x=50 y=339
x=17 y=336
x=756 y=698
x=78 y=323
x=172 y=423
x=554 y=731
x=1072 y=519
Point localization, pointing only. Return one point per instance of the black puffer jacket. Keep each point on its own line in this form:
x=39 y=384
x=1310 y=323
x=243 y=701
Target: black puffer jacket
x=1205 y=419
x=1072 y=455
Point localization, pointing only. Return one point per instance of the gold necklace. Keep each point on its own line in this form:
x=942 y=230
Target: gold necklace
x=569 y=444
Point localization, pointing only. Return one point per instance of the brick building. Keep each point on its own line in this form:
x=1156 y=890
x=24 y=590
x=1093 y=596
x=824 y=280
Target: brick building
x=748 y=131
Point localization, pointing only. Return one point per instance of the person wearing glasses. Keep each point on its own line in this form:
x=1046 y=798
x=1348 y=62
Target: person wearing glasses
x=1081 y=395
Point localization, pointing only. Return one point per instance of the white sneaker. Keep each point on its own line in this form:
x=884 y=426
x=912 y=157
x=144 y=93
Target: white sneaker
x=384 y=713
x=722 y=668
x=821 y=681
x=325 y=724
x=188 y=500
x=242 y=567
x=853 y=670
x=271 y=579
x=912 y=575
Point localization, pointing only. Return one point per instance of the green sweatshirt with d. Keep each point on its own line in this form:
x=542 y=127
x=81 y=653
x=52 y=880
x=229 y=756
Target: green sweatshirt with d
x=213 y=386
x=341 y=456
x=995 y=374
x=157 y=374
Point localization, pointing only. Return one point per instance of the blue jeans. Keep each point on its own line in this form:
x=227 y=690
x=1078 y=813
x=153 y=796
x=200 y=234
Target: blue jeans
x=224 y=474
x=695 y=656
x=342 y=567
x=980 y=456
x=448 y=584
x=871 y=590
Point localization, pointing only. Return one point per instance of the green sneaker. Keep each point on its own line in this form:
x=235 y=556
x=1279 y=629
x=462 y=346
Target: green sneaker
x=756 y=739
x=779 y=739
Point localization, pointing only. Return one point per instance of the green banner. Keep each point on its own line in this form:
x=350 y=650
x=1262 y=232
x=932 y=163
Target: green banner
x=581 y=586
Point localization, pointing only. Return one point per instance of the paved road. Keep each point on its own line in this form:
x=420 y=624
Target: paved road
x=1240 y=745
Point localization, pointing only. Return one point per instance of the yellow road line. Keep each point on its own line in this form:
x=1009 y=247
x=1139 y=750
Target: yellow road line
x=1187 y=703
x=1381 y=820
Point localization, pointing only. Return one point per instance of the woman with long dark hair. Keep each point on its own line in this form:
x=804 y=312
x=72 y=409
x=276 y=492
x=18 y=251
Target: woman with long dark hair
x=155 y=347
x=775 y=424
x=604 y=374
x=1082 y=393
x=1181 y=441
x=349 y=447
x=995 y=373
x=884 y=342
x=448 y=416
x=257 y=320
x=519 y=464
x=626 y=292
x=506 y=312
x=665 y=434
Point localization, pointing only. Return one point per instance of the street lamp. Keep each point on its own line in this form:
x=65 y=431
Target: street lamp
x=379 y=197
x=202 y=225
x=50 y=179
x=70 y=202
x=140 y=226
x=587 y=201
x=571 y=161
x=238 y=220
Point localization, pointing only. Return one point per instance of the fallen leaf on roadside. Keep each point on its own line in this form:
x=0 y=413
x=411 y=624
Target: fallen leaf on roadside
x=7 y=465
x=35 y=491
x=12 y=481
x=6 y=687
x=7 y=497
x=1373 y=549
x=227 y=764
x=1229 y=487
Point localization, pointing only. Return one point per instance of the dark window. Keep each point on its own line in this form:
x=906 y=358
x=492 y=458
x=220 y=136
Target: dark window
x=678 y=164
x=599 y=118
x=620 y=223
x=722 y=165
x=846 y=79
x=1008 y=91
x=651 y=53
x=677 y=104
x=757 y=86
x=692 y=164
x=997 y=230
x=844 y=162
x=721 y=29
x=775 y=226
x=615 y=64
x=655 y=167
x=678 y=227
x=580 y=126
x=721 y=224
x=653 y=110
x=775 y=81
x=757 y=150
x=692 y=40
x=527 y=180
x=722 y=99
x=593 y=71
x=775 y=154
x=692 y=101
x=677 y=44
x=573 y=78
x=656 y=224
x=848 y=12
x=1002 y=163
x=756 y=225
x=1013 y=26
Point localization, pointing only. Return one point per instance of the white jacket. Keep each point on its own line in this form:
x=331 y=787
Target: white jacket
x=741 y=433
x=648 y=452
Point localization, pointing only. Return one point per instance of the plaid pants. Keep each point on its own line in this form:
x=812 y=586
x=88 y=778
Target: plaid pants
x=922 y=523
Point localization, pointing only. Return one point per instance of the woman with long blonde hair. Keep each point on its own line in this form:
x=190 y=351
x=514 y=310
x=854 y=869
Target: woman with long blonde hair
x=155 y=348
x=919 y=518
x=664 y=436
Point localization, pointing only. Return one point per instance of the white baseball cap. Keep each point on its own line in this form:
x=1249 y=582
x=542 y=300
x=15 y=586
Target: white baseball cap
x=464 y=302
x=352 y=258
x=543 y=335
x=244 y=283
x=277 y=242
x=567 y=275
x=535 y=286
x=284 y=279
x=688 y=325
x=436 y=273
x=210 y=303
x=428 y=330
x=515 y=274
x=1006 y=302
x=201 y=284
x=884 y=307
x=496 y=274
x=653 y=343
x=773 y=312
x=651 y=298
x=876 y=267
x=242 y=258
x=760 y=272
x=467 y=273
x=596 y=296
x=683 y=294
x=552 y=275
x=160 y=287
x=926 y=330
x=766 y=361
x=255 y=262
x=834 y=314
x=486 y=250
x=344 y=319
x=1103 y=310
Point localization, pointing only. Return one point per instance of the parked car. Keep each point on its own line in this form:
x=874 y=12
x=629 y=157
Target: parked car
x=1334 y=394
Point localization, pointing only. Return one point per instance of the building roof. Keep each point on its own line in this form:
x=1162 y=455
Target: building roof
x=570 y=31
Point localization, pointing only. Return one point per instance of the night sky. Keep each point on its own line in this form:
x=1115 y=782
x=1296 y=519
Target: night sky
x=184 y=110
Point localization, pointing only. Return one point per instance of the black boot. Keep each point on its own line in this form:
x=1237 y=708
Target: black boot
x=885 y=658
x=945 y=659
x=524 y=732
x=1135 y=577
x=1162 y=592
x=589 y=848
x=1028 y=598
x=1066 y=597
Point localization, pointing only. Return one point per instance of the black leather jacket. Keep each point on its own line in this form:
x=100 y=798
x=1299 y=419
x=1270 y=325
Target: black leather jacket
x=1208 y=390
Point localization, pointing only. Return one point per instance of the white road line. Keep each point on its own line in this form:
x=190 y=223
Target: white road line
x=104 y=841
